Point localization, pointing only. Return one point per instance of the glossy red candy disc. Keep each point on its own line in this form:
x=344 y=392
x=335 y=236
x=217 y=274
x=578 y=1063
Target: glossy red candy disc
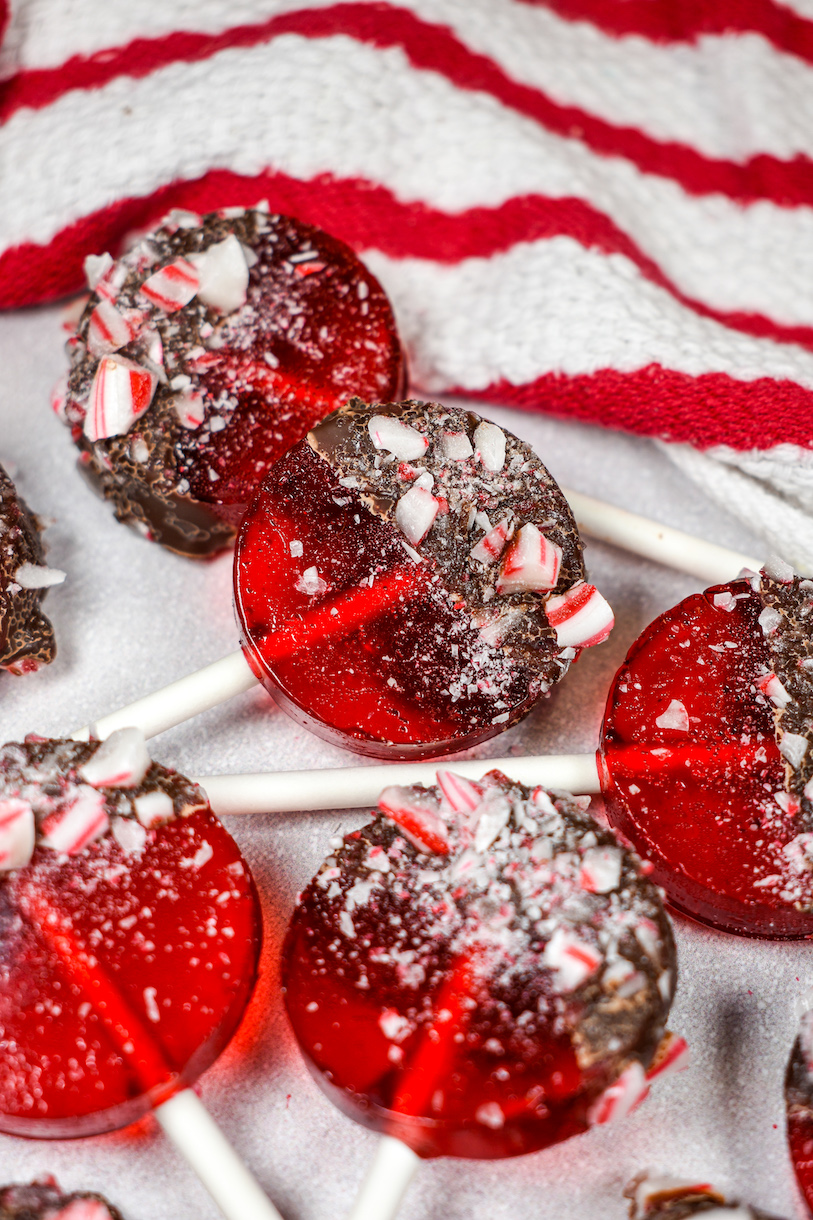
x=693 y=774
x=123 y=975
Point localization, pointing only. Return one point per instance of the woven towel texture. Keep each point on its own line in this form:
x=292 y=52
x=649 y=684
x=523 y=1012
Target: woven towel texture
x=598 y=210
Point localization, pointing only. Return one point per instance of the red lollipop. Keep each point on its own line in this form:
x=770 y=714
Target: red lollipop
x=707 y=765
x=209 y=349
x=481 y=971
x=129 y=940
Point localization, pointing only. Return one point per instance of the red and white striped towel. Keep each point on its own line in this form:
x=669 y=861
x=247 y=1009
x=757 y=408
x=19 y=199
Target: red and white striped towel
x=598 y=208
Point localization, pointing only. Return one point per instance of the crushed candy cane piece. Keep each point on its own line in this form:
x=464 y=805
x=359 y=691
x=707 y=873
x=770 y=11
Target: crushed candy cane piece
x=419 y=822
x=581 y=617
x=17 y=833
x=78 y=822
x=600 y=870
x=571 y=960
x=223 y=275
x=311 y=583
x=772 y=687
x=121 y=761
x=530 y=564
x=491 y=546
x=108 y=329
x=154 y=808
x=173 y=286
x=621 y=1098
x=462 y=794
x=489 y=446
x=190 y=407
x=415 y=513
x=120 y=394
x=675 y=717
x=37 y=576
x=391 y=434
x=671 y=1057
x=456 y=446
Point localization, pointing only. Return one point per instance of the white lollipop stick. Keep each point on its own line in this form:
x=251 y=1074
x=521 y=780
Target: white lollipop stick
x=392 y=1169
x=709 y=562
x=198 y=1138
x=354 y=787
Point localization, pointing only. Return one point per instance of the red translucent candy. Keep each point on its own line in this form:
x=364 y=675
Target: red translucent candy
x=696 y=793
x=124 y=976
x=365 y=660
x=324 y=330
x=440 y=1097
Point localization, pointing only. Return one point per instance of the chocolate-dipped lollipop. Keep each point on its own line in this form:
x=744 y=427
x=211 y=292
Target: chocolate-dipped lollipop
x=205 y=352
x=664 y=1198
x=481 y=971
x=43 y=1200
x=26 y=635
x=129 y=939
x=459 y=519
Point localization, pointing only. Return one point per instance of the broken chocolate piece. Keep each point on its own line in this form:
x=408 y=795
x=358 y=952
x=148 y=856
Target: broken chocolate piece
x=26 y=635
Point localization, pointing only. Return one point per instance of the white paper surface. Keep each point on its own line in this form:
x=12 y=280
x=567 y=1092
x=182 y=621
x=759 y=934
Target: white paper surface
x=131 y=617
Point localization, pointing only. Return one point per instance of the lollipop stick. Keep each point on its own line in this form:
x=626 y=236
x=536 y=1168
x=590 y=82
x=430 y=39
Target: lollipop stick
x=182 y=1115
x=385 y=1185
x=709 y=562
x=354 y=787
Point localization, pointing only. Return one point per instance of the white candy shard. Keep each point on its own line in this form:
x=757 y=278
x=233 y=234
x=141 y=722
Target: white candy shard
x=311 y=583
x=76 y=823
x=571 y=960
x=793 y=747
x=223 y=274
x=776 y=569
x=190 y=407
x=494 y=811
x=456 y=446
x=491 y=546
x=108 y=330
x=675 y=717
x=769 y=620
x=421 y=824
x=415 y=514
x=601 y=870
x=173 y=286
x=490 y=1114
x=121 y=761
x=772 y=687
x=489 y=446
x=154 y=809
x=17 y=833
x=35 y=576
x=581 y=617
x=120 y=394
x=462 y=794
x=393 y=1025
x=672 y=1057
x=387 y=432
x=129 y=835
x=531 y=563
x=621 y=1098
x=96 y=266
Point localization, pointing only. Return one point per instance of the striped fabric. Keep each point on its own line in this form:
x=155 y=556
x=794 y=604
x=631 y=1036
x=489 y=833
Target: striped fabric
x=597 y=208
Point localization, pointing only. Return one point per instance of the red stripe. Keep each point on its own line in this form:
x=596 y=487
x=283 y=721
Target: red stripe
x=711 y=409
x=687 y=20
x=435 y=48
x=363 y=215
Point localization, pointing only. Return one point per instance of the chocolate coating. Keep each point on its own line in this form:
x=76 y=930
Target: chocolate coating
x=26 y=635
x=43 y=1200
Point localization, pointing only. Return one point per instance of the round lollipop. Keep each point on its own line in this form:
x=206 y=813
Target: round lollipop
x=129 y=940
x=43 y=1200
x=707 y=765
x=209 y=349
x=26 y=636
x=481 y=971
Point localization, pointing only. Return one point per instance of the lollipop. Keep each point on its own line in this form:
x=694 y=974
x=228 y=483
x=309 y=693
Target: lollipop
x=662 y=1198
x=481 y=971
x=129 y=939
x=26 y=636
x=209 y=349
x=43 y=1200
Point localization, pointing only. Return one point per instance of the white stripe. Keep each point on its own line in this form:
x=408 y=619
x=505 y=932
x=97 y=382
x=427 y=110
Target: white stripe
x=731 y=96
x=332 y=105
x=552 y=306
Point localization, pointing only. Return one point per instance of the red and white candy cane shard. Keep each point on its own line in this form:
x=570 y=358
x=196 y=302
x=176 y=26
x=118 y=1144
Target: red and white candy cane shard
x=173 y=286
x=463 y=795
x=672 y=1057
x=531 y=563
x=415 y=514
x=489 y=548
x=222 y=273
x=17 y=833
x=77 y=823
x=109 y=329
x=600 y=870
x=121 y=761
x=190 y=407
x=305 y=269
x=81 y=1209
x=392 y=435
x=772 y=688
x=581 y=617
x=421 y=825
x=571 y=959
x=120 y=394
x=621 y=1098
x=489 y=446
